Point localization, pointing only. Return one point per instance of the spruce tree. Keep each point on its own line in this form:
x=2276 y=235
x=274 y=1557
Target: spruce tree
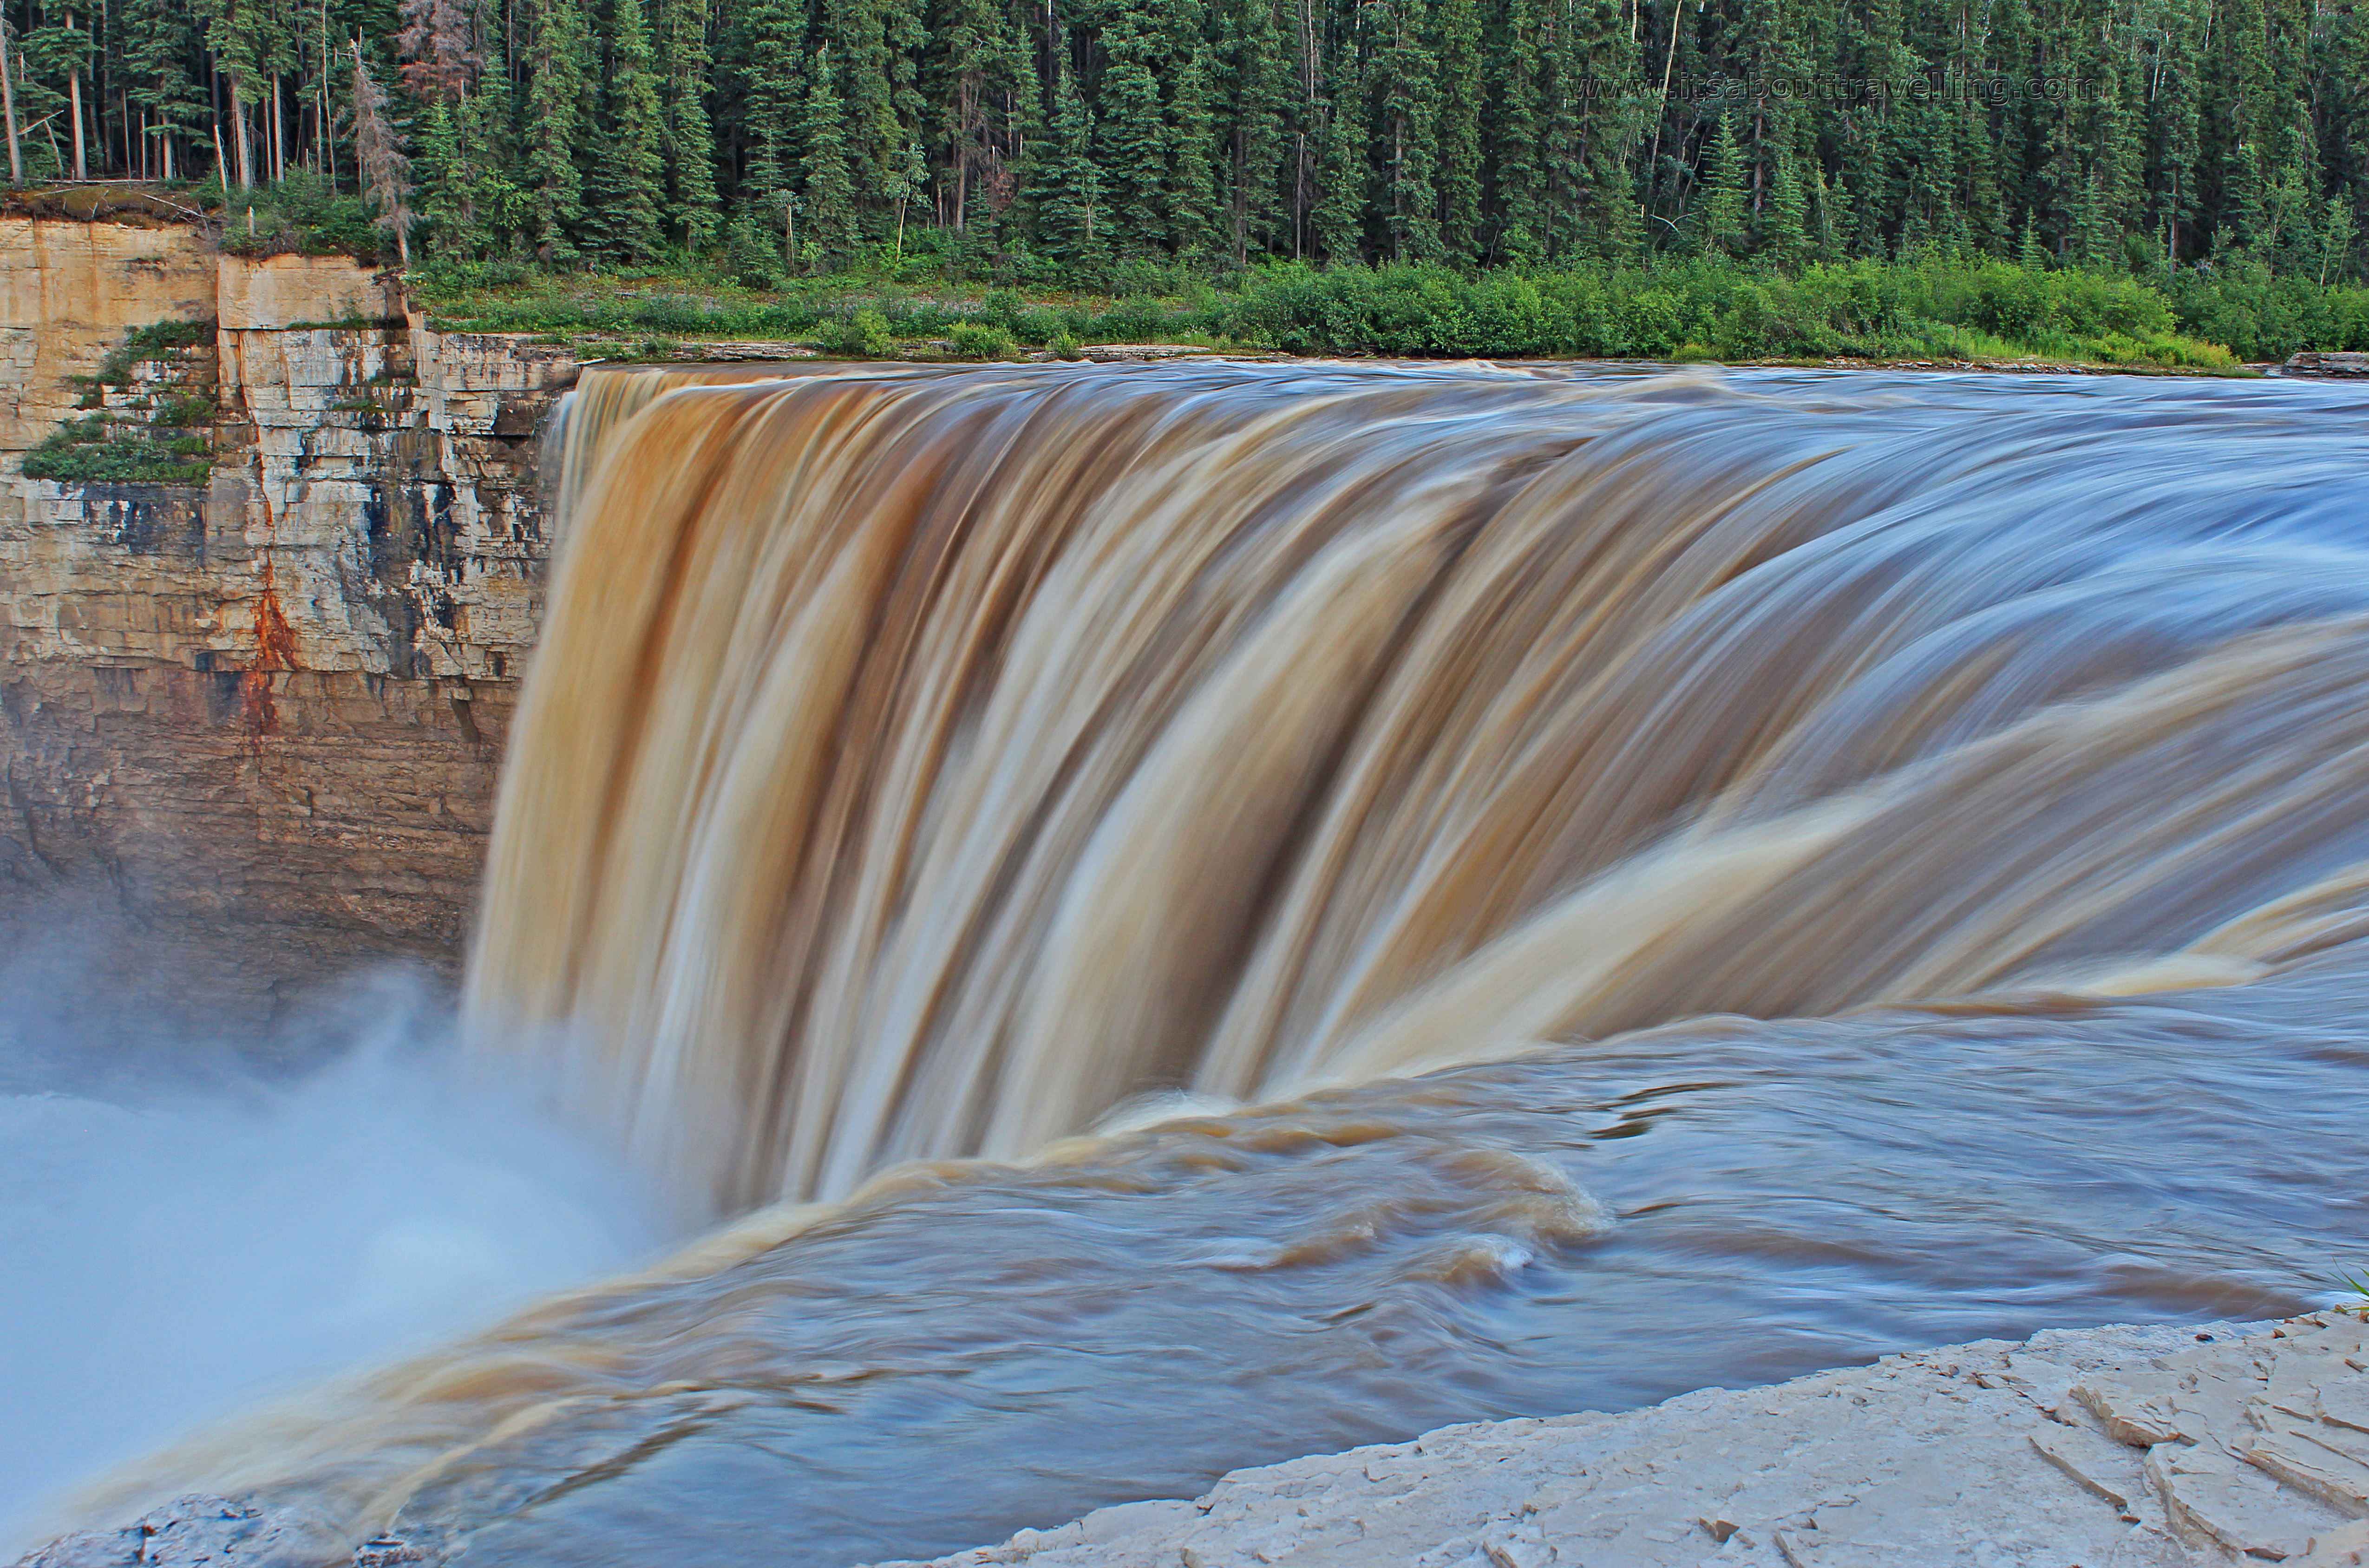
x=1718 y=211
x=687 y=137
x=829 y=194
x=385 y=172
x=1193 y=173
x=987 y=85
x=556 y=121
x=1134 y=148
x=1067 y=194
x=443 y=181
x=1784 y=236
x=1254 y=139
x=1514 y=130
x=771 y=65
x=1604 y=200
x=1337 y=218
x=633 y=166
x=1461 y=90
x=1404 y=93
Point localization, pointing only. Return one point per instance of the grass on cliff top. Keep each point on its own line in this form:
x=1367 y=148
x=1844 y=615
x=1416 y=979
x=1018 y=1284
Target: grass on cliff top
x=1702 y=308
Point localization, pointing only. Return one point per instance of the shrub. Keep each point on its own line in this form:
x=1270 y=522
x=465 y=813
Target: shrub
x=867 y=334
x=81 y=452
x=978 y=340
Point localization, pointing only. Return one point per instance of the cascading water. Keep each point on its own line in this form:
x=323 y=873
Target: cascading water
x=1859 y=861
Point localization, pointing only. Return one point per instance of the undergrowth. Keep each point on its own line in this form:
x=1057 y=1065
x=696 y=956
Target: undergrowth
x=1700 y=308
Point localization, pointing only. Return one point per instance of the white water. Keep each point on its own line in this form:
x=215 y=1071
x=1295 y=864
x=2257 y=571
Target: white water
x=170 y=1261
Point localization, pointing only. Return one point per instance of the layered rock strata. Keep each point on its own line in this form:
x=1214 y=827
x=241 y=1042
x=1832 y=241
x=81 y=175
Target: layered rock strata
x=2113 y=1448
x=265 y=712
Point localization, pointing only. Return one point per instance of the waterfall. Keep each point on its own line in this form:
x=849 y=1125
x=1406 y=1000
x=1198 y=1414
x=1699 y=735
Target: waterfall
x=931 y=763
x=1255 y=909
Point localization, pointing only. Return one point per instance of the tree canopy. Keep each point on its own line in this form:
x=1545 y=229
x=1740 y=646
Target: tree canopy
x=1054 y=141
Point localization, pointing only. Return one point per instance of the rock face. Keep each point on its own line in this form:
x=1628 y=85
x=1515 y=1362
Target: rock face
x=2312 y=363
x=267 y=711
x=2103 y=1448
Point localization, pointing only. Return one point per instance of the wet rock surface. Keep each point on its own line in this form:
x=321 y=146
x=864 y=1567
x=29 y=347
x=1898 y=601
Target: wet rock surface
x=2114 y=1447
x=202 y=1531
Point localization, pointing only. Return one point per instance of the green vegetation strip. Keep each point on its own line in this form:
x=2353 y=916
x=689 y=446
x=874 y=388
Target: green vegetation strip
x=1700 y=308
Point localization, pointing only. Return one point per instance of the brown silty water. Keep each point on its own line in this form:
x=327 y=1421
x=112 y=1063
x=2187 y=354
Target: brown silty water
x=1582 y=886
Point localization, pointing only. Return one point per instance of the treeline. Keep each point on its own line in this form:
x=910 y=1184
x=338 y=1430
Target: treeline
x=1060 y=141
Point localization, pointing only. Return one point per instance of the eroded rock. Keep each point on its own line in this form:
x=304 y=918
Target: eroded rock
x=2105 y=1449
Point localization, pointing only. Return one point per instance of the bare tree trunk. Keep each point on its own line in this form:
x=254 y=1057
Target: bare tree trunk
x=239 y=126
x=1661 y=110
x=8 y=102
x=73 y=101
x=278 y=134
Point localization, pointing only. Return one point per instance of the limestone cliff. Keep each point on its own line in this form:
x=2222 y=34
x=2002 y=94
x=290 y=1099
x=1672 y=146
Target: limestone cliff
x=266 y=710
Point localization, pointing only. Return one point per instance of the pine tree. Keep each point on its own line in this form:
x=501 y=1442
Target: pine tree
x=1719 y=207
x=632 y=167
x=688 y=135
x=1067 y=194
x=1134 y=151
x=556 y=119
x=1255 y=139
x=1192 y=173
x=1338 y=215
x=1458 y=135
x=830 y=195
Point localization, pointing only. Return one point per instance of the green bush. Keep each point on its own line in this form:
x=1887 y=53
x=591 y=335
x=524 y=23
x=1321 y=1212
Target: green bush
x=81 y=452
x=978 y=340
x=867 y=333
x=183 y=412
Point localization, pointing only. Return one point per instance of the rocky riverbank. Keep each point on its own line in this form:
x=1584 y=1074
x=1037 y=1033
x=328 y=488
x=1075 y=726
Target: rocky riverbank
x=2111 y=1447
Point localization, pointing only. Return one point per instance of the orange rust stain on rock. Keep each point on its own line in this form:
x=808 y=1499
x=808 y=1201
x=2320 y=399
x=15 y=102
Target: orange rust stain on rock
x=275 y=650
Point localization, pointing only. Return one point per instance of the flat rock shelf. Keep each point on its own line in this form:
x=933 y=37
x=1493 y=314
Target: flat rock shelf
x=2109 y=1447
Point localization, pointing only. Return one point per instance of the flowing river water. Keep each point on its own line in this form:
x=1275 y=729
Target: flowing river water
x=1180 y=916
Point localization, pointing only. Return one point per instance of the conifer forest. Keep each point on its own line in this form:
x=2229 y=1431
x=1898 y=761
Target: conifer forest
x=1069 y=139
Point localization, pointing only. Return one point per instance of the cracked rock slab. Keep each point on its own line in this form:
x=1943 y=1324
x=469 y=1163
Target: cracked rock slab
x=2117 y=1447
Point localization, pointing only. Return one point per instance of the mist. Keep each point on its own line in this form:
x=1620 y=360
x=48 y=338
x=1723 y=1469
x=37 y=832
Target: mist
x=187 y=1224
